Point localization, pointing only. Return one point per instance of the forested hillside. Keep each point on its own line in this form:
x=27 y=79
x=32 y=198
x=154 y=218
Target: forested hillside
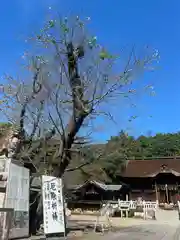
x=118 y=149
x=104 y=161
x=146 y=146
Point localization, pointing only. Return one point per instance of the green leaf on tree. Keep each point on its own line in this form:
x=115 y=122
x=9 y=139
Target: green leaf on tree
x=81 y=24
x=51 y=23
x=105 y=55
x=92 y=42
x=53 y=41
x=64 y=28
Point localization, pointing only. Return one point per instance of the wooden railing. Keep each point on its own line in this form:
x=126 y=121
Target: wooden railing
x=126 y=206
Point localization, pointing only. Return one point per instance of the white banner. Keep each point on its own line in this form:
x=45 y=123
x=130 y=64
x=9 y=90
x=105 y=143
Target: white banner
x=17 y=197
x=53 y=205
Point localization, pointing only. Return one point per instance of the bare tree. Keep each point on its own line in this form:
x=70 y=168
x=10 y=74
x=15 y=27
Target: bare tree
x=69 y=84
x=71 y=80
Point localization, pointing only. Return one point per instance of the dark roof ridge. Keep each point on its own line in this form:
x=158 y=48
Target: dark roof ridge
x=155 y=158
x=148 y=167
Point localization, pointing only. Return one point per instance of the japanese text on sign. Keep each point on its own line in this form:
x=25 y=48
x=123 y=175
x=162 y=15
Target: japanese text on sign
x=53 y=207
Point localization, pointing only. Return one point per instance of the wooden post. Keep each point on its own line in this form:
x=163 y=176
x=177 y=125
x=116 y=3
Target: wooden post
x=157 y=197
x=127 y=197
x=167 y=197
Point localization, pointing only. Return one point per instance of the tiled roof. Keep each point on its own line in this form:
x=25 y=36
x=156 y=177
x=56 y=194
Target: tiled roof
x=114 y=187
x=100 y=185
x=151 y=167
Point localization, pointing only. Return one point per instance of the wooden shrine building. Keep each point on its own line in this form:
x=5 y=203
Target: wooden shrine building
x=153 y=179
x=92 y=194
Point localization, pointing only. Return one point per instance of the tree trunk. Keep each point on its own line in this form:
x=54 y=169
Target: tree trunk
x=36 y=213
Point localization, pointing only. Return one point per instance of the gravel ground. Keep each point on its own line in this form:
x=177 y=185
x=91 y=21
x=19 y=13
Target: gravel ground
x=166 y=227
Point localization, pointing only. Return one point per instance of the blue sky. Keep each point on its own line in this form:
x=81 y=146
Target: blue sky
x=117 y=23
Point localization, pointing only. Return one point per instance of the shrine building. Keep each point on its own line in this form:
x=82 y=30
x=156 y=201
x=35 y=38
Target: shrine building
x=91 y=194
x=153 y=179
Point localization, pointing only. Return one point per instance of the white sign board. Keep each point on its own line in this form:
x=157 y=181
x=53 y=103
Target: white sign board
x=17 y=197
x=53 y=205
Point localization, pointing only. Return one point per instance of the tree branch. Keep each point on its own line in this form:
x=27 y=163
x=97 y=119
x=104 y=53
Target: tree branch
x=78 y=167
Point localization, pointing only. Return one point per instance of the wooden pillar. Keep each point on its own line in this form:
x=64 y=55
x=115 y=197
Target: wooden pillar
x=130 y=196
x=157 y=195
x=127 y=197
x=113 y=197
x=170 y=196
x=167 y=197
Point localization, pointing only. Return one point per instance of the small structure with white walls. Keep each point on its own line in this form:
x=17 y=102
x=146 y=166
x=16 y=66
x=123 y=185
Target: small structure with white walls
x=14 y=195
